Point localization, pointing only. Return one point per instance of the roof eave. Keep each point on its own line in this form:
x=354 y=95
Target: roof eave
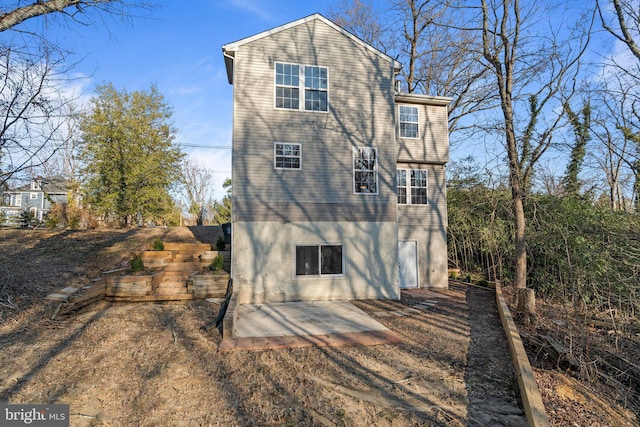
x=416 y=98
x=229 y=48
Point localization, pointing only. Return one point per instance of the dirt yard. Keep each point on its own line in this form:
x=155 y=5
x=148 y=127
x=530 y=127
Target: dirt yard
x=156 y=364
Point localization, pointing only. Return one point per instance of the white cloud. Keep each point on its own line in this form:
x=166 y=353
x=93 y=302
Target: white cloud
x=253 y=6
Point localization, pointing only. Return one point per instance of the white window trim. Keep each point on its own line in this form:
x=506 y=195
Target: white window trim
x=18 y=200
x=33 y=196
x=320 y=275
x=353 y=172
x=301 y=88
x=408 y=188
x=399 y=122
x=398 y=185
x=299 y=158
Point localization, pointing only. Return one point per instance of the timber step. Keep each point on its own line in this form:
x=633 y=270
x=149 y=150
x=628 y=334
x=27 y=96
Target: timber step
x=187 y=247
x=170 y=280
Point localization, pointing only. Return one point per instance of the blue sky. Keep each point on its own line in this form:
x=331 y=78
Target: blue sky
x=178 y=48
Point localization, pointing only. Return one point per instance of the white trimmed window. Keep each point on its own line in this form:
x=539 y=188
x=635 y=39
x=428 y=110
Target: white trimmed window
x=302 y=87
x=319 y=260
x=33 y=196
x=408 y=121
x=365 y=170
x=287 y=156
x=288 y=86
x=402 y=186
x=412 y=187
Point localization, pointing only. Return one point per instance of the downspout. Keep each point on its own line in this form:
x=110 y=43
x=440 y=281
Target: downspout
x=230 y=77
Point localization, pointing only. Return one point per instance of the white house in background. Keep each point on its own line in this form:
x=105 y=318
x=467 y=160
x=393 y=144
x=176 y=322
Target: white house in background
x=338 y=179
x=37 y=197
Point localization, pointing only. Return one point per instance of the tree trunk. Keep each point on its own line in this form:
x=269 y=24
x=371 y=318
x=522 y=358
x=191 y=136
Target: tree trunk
x=527 y=303
x=521 y=242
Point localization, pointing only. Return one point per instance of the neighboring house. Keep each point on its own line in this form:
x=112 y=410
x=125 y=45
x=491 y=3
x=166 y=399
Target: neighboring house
x=35 y=198
x=338 y=180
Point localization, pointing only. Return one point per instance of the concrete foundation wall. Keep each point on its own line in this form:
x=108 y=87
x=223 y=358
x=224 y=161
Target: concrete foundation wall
x=432 y=254
x=263 y=261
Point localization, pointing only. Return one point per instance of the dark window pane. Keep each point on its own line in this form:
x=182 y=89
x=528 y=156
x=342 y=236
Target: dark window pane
x=365 y=182
x=307 y=260
x=332 y=259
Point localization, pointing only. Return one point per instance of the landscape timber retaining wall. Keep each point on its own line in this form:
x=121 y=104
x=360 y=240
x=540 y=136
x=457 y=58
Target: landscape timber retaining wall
x=531 y=399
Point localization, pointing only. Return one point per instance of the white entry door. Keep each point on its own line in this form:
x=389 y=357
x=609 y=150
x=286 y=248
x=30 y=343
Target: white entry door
x=408 y=263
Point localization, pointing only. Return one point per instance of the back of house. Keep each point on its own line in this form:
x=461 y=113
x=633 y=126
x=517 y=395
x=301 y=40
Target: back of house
x=315 y=167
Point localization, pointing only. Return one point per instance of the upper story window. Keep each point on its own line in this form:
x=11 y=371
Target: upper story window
x=402 y=186
x=365 y=170
x=35 y=185
x=33 y=196
x=287 y=156
x=16 y=200
x=288 y=86
x=302 y=87
x=413 y=191
x=408 y=121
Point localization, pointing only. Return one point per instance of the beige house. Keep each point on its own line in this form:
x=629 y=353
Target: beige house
x=338 y=180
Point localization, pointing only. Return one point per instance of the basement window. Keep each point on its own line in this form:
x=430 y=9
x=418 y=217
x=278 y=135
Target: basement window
x=319 y=260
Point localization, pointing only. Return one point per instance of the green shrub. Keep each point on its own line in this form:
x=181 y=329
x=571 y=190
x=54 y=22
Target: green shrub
x=74 y=222
x=51 y=222
x=136 y=264
x=220 y=245
x=217 y=264
x=157 y=244
x=25 y=219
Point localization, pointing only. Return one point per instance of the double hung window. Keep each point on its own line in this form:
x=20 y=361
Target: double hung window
x=302 y=87
x=412 y=187
x=408 y=121
x=365 y=170
x=287 y=156
x=319 y=260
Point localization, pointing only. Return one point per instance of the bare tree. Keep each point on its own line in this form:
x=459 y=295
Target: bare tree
x=623 y=23
x=626 y=27
x=362 y=19
x=440 y=59
x=34 y=107
x=16 y=12
x=198 y=185
x=536 y=70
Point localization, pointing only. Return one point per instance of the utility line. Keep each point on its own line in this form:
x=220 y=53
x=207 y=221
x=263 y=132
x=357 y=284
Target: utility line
x=214 y=147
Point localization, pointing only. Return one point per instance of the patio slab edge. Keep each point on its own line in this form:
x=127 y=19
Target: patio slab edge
x=378 y=337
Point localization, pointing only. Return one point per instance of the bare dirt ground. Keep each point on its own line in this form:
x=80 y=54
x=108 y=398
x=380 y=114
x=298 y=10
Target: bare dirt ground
x=155 y=364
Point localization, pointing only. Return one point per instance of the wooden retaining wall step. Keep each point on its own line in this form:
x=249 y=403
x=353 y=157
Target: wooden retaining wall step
x=185 y=266
x=156 y=255
x=187 y=257
x=171 y=291
x=186 y=247
x=531 y=398
x=208 y=256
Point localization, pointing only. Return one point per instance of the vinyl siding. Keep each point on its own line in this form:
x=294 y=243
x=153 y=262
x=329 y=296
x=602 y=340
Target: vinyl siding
x=435 y=213
x=360 y=114
x=266 y=270
x=433 y=142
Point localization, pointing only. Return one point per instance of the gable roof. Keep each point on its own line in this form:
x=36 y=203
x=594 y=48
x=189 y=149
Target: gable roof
x=51 y=185
x=229 y=49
